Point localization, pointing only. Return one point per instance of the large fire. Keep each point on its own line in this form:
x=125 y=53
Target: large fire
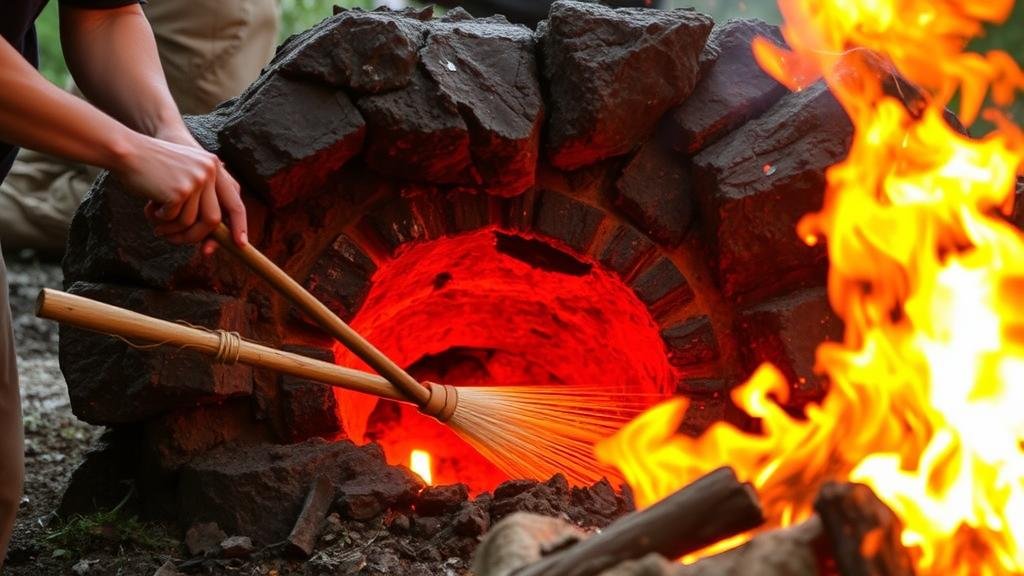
x=926 y=403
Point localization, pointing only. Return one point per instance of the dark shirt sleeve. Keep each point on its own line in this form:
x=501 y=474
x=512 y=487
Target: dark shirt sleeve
x=98 y=4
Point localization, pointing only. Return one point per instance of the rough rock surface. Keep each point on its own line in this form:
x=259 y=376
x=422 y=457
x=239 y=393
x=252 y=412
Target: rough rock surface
x=236 y=486
x=613 y=73
x=487 y=69
x=111 y=382
x=656 y=193
x=755 y=184
x=364 y=51
x=786 y=332
x=286 y=137
x=309 y=408
x=690 y=342
x=417 y=133
x=732 y=90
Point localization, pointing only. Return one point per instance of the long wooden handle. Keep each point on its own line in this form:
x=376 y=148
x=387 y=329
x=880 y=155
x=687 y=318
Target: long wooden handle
x=99 y=317
x=323 y=316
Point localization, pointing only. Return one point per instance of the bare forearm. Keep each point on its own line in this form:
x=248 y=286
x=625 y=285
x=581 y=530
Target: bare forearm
x=36 y=114
x=113 y=58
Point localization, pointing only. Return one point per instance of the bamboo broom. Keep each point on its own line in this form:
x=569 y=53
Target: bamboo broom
x=528 y=432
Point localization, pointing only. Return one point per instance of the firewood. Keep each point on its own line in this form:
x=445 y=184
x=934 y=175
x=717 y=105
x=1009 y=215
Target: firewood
x=714 y=507
x=863 y=532
x=302 y=540
x=791 y=551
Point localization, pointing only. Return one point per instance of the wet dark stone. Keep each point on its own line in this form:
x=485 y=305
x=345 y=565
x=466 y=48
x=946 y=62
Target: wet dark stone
x=757 y=182
x=786 y=332
x=487 y=69
x=340 y=277
x=625 y=250
x=690 y=342
x=369 y=52
x=111 y=382
x=566 y=219
x=656 y=193
x=731 y=91
x=438 y=500
x=309 y=408
x=612 y=74
x=285 y=137
x=417 y=133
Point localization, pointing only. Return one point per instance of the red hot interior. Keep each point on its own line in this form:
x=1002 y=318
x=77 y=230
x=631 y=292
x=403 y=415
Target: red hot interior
x=491 y=308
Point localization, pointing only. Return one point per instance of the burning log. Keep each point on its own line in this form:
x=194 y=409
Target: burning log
x=302 y=539
x=714 y=507
x=863 y=532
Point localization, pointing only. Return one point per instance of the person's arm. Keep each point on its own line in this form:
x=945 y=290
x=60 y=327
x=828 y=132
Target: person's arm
x=113 y=57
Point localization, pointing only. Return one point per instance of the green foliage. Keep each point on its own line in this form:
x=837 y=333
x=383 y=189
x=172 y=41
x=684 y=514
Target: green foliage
x=113 y=529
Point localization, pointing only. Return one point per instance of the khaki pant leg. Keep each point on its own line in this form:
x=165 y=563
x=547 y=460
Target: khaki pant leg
x=12 y=439
x=211 y=50
x=38 y=199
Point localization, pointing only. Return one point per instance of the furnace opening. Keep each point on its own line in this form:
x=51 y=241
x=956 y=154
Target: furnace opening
x=465 y=310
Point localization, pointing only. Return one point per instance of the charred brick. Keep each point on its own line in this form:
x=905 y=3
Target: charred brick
x=417 y=133
x=733 y=90
x=625 y=250
x=661 y=280
x=369 y=52
x=690 y=342
x=566 y=219
x=286 y=137
x=487 y=69
x=340 y=278
x=756 y=183
x=786 y=332
x=395 y=223
x=703 y=387
x=176 y=438
x=612 y=74
x=111 y=382
x=309 y=408
x=656 y=193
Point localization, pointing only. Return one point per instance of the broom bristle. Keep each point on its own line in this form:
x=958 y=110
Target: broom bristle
x=534 y=432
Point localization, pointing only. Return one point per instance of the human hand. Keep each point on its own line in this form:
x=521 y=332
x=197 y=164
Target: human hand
x=189 y=189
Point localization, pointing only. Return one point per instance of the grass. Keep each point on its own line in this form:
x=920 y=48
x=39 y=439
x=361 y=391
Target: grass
x=113 y=529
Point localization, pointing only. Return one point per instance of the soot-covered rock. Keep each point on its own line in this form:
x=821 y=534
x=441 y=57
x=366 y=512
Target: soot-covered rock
x=755 y=184
x=111 y=241
x=786 y=332
x=690 y=342
x=417 y=133
x=258 y=490
x=625 y=249
x=377 y=487
x=438 y=500
x=656 y=193
x=613 y=73
x=732 y=90
x=370 y=52
x=286 y=137
x=593 y=506
x=111 y=382
x=487 y=69
x=309 y=408
x=567 y=220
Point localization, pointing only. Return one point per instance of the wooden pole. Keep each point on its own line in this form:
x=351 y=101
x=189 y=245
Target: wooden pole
x=323 y=316
x=107 y=319
x=864 y=533
x=714 y=507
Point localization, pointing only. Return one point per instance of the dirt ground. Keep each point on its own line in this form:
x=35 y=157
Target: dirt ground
x=55 y=443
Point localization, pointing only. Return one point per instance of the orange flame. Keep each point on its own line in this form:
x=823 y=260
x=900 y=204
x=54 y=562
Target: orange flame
x=926 y=403
x=420 y=463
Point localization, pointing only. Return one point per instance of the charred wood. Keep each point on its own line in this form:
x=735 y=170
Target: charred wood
x=863 y=532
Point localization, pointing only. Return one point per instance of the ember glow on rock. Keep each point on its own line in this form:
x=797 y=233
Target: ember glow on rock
x=481 y=310
x=925 y=390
